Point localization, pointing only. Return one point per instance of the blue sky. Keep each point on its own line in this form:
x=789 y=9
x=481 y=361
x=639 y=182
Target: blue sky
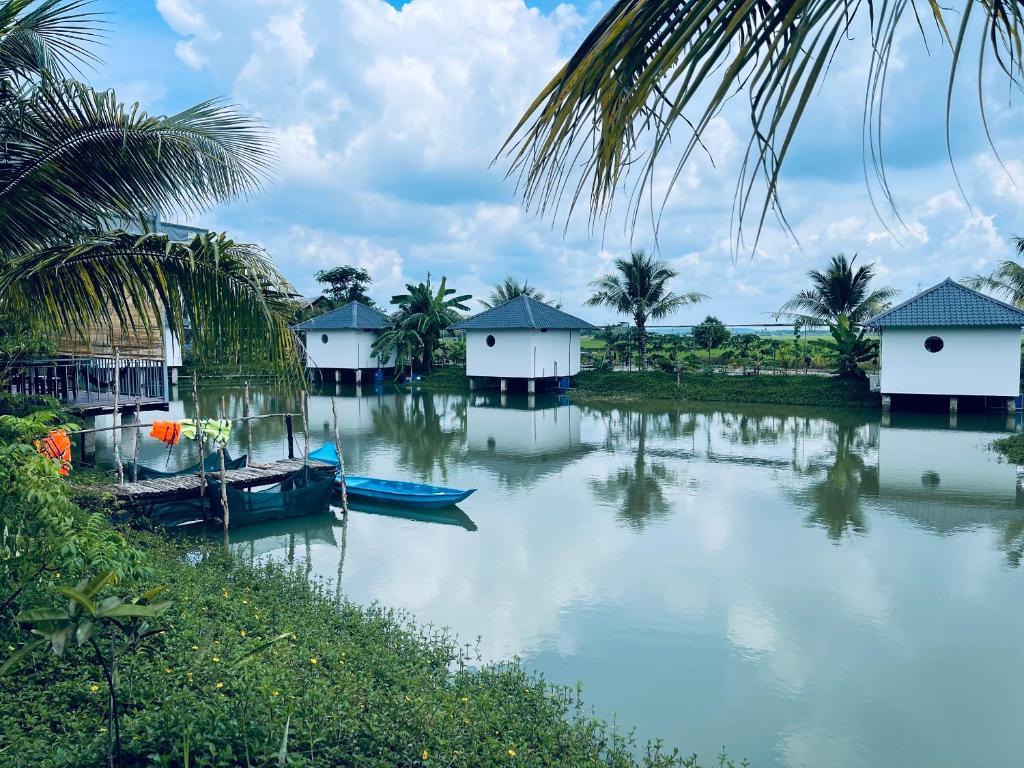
x=387 y=116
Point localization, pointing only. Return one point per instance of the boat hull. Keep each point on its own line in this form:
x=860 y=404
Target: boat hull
x=404 y=494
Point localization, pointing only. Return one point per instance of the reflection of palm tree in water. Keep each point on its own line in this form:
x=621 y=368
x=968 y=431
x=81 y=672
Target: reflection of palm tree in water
x=414 y=425
x=636 y=490
x=836 y=499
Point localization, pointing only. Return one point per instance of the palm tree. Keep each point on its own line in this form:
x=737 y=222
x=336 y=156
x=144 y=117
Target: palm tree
x=1006 y=280
x=648 y=68
x=403 y=342
x=429 y=313
x=641 y=291
x=839 y=290
x=510 y=289
x=77 y=166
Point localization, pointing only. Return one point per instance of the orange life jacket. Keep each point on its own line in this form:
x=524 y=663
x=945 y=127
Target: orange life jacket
x=166 y=432
x=57 y=446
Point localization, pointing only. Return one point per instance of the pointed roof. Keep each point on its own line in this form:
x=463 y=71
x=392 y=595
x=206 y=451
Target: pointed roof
x=353 y=315
x=520 y=313
x=948 y=304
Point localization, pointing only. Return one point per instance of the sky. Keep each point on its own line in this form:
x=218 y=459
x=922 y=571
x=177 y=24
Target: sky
x=387 y=116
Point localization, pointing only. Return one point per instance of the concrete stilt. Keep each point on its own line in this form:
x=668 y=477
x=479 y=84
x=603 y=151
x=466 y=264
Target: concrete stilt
x=886 y=418
x=952 y=420
x=337 y=375
x=531 y=400
x=886 y=403
x=172 y=374
x=531 y=385
x=472 y=384
x=504 y=400
x=953 y=405
x=359 y=377
x=504 y=385
x=1011 y=405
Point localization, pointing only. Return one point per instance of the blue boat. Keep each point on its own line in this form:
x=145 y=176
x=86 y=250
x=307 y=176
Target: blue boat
x=392 y=491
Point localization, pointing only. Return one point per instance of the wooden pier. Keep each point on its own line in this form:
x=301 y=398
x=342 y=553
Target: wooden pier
x=183 y=486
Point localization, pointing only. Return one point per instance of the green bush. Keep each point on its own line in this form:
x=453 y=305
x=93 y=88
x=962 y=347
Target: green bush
x=1011 y=447
x=259 y=666
x=823 y=391
x=451 y=379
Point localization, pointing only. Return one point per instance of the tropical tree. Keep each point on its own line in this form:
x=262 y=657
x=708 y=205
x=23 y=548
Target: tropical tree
x=78 y=168
x=403 y=342
x=509 y=289
x=1005 y=281
x=603 y=122
x=852 y=349
x=429 y=313
x=345 y=284
x=711 y=333
x=640 y=289
x=838 y=290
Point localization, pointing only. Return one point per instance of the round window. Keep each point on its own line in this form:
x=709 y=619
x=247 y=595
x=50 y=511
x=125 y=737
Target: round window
x=933 y=344
x=323 y=337
x=490 y=341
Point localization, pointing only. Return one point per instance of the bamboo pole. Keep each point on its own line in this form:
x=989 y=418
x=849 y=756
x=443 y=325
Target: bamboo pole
x=199 y=439
x=138 y=437
x=223 y=475
x=341 y=461
x=341 y=557
x=305 y=433
x=246 y=411
x=117 y=397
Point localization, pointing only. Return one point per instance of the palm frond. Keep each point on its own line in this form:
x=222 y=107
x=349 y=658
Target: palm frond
x=79 y=157
x=51 y=38
x=652 y=67
x=231 y=293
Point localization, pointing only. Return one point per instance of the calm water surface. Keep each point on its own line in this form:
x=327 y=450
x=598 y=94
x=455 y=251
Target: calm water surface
x=807 y=589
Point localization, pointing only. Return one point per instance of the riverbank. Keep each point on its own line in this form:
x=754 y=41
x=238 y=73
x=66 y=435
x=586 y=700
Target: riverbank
x=346 y=685
x=1010 y=447
x=821 y=391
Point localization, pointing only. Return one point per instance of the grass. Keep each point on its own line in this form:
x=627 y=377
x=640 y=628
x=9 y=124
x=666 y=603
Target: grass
x=348 y=685
x=450 y=379
x=824 y=391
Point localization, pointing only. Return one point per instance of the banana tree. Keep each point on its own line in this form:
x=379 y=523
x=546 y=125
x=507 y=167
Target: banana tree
x=852 y=348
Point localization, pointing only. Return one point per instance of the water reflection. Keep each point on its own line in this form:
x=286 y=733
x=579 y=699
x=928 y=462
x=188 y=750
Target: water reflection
x=751 y=576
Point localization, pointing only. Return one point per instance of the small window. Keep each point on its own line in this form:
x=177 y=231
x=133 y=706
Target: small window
x=490 y=341
x=323 y=337
x=934 y=344
x=543 y=330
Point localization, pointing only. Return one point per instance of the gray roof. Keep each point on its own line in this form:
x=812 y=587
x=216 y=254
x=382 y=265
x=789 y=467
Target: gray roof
x=522 y=312
x=352 y=315
x=948 y=304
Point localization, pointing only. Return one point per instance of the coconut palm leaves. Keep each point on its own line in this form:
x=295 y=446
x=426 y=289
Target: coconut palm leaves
x=509 y=289
x=640 y=289
x=228 y=290
x=429 y=313
x=838 y=290
x=1006 y=281
x=76 y=166
x=399 y=343
x=651 y=67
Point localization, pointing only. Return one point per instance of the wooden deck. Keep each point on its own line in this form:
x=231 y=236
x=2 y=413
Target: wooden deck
x=182 y=486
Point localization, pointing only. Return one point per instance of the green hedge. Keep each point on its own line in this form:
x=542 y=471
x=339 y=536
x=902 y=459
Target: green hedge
x=356 y=686
x=826 y=391
x=451 y=379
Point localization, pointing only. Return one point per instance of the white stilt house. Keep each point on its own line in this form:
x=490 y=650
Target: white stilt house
x=522 y=339
x=953 y=342
x=342 y=340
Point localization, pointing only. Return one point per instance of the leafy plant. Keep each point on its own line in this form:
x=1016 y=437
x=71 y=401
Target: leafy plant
x=119 y=624
x=509 y=289
x=398 y=342
x=345 y=284
x=852 y=348
x=429 y=313
x=838 y=290
x=711 y=333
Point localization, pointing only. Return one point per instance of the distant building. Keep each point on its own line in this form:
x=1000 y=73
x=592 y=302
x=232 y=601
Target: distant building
x=950 y=341
x=522 y=339
x=342 y=340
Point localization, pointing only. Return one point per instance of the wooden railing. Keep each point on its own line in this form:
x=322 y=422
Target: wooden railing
x=90 y=381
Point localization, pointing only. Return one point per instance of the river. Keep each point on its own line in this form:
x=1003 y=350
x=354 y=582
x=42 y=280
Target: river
x=802 y=587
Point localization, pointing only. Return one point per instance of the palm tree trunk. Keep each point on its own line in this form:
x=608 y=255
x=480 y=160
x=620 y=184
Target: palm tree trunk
x=641 y=341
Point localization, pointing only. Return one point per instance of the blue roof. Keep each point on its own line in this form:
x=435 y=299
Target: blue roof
x=352 y=315
x=948 y=304
x=522 y=312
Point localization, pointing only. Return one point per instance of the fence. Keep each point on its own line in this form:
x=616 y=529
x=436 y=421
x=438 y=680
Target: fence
x=89 y=382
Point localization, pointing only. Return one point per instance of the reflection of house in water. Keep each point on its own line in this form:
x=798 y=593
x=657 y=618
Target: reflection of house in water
x=947 y=479
x=523 y=439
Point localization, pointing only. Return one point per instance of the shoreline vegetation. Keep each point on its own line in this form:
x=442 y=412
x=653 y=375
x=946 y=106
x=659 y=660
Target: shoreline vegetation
x=260 y=666
x=1010 y=447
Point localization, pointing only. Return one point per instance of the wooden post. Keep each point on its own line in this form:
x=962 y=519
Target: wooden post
x=247 y=412
x=199 y=439
x=117 y=397
x=291 y=436
x=341 y=460
x=305 y=432
x=138 y=435
x=224 y=489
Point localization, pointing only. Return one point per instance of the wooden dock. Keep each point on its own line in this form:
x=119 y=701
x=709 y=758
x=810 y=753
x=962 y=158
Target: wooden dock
x=181 y=486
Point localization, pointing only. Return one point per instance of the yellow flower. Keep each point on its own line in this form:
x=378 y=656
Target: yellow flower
x=312 y=660
x=168 y=670
x=10 y=647
x=511 y=753
x=188 y=675
x=245 y=601
x=275 y=693
x=426 y=755
x=220 y=684
x=225 y=593
x=195 y=647
x=465 y=699
x=103 y=730
x=215 y=659
x=241 y=632
x=94 y=687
